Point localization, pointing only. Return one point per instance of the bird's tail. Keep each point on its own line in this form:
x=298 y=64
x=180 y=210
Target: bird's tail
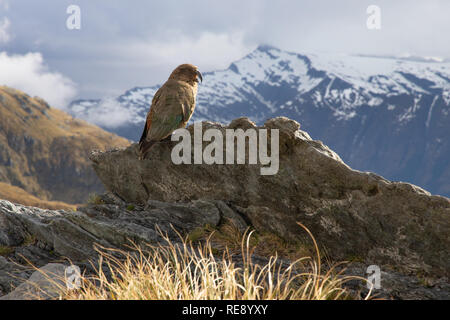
x=144 y=148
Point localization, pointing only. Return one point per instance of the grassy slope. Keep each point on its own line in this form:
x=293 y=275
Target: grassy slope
x=18 y=195
x=44 y=150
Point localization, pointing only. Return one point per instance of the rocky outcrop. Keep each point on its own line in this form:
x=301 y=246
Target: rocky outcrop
x=33 y=236
x=54 y=240
x=353 y=214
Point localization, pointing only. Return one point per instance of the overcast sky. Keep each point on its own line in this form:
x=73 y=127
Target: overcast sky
x=123 y=44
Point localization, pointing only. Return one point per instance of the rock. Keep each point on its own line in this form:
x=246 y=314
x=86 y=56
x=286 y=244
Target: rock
x=45 y=283
x=228 y=214
x=352 y=214
x=397 y=286
x=74 y=235
x=116 y=223
x=53 y=228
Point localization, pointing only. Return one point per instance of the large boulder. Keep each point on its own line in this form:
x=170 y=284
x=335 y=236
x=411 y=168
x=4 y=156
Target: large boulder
x=352 y=214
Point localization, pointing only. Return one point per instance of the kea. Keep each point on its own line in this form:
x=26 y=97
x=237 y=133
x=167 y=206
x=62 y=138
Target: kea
x=172 y=106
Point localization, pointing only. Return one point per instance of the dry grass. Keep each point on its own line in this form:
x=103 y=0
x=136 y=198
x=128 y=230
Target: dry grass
x=228 y=237
x=184 y=271
x=18 y=195
x=43 y=144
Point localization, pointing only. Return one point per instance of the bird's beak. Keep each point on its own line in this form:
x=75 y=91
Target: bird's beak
x=199 y=76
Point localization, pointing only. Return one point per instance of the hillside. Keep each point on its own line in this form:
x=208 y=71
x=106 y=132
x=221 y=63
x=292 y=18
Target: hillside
x=44 y=150
x=18 y=195
x=383 y=114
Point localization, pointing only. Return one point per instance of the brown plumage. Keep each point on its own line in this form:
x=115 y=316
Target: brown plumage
x=172 y=106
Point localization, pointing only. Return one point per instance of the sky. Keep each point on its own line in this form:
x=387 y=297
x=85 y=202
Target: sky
x=124 y=44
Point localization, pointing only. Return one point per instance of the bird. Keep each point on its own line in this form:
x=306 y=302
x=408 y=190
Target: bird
x=172 y=106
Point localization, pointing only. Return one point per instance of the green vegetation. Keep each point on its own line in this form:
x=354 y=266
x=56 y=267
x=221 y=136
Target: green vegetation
x=5 y=250
x=95 y=199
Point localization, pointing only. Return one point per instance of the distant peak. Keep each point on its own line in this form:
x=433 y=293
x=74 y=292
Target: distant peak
x=266 y=47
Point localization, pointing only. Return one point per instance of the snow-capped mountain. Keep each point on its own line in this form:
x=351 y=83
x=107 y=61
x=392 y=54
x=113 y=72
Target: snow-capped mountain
x=384 y=114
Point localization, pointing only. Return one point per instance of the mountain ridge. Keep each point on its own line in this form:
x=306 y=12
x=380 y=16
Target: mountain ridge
x=44 y=150
x=388 y=115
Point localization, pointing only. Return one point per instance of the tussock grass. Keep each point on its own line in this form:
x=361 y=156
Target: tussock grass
x=180 y=271
x=227 y=236
x=94 y=199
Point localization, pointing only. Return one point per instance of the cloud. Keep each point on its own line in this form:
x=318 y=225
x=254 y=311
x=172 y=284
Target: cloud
x=125 y=44
x=30 y=74
x=138 y=62
x=208 y=50
x=4 y=4
x=4 y=30
x=109 y=113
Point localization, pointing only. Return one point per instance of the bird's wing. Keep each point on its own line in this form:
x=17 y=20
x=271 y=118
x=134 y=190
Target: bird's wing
x=171 y=108
x=148 y=120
